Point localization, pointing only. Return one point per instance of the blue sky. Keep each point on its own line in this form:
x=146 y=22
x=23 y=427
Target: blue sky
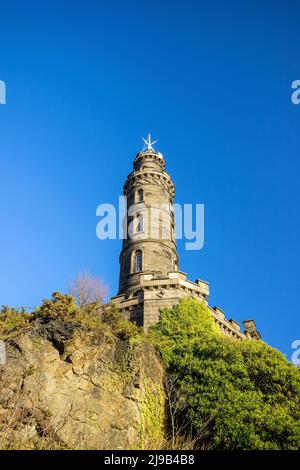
x=212 y=81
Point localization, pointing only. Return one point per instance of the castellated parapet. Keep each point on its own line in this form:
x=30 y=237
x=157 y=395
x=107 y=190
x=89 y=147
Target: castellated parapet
x=149 y=266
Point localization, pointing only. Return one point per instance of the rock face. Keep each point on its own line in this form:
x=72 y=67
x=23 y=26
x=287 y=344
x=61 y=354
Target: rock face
x=68 y=387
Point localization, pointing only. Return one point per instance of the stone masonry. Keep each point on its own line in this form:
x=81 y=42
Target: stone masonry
x=149 y=269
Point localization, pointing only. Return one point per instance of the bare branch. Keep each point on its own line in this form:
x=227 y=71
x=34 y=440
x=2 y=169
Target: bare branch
x=88 y=289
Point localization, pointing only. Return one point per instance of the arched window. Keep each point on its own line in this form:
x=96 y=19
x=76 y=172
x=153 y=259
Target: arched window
x=138 y=261
x=140 y=196
x=140 y=222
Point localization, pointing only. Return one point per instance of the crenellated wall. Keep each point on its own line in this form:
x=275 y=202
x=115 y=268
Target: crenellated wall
x=143 y=305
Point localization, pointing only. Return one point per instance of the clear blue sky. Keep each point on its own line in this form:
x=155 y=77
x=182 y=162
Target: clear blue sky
x=211 y=80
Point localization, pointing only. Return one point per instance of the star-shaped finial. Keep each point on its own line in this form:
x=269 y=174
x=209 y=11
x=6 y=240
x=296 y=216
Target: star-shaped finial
x=148 y=144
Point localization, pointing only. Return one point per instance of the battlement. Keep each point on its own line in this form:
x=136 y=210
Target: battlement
x=142 y=303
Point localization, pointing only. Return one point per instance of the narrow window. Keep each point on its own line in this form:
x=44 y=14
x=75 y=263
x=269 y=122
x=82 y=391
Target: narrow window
x=138 y=261
x=140 y=196
x=140 y=222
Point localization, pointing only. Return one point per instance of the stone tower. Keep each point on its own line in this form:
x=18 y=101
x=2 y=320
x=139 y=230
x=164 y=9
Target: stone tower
x=149 y=275
x=150 y=246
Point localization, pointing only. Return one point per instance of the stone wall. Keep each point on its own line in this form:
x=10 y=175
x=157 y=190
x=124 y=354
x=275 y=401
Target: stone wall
x=144 y=306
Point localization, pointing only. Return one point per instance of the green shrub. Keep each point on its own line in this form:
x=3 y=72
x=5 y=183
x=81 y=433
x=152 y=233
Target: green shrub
x=238 y=394
x=60 y=306
x=120 y=327
x=12 y=322
x=93 y=316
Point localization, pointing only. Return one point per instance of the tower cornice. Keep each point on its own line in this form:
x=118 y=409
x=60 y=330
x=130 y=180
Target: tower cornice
x=149 y=156
x=150 y=177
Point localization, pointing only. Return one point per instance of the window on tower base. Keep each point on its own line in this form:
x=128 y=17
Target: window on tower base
x=138 y=261
x=140 y=223
x=140 y=196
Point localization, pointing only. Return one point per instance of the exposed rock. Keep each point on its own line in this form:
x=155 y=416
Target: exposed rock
x=66 y=386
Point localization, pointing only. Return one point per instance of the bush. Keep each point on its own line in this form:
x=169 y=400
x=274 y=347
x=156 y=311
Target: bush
x=12 y=322
x=93 y=315
x=60 y=306
x=120 y=327
x=238 y=394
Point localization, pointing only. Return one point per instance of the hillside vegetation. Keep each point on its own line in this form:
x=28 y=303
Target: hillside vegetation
x=229 y=394
x=82 y=377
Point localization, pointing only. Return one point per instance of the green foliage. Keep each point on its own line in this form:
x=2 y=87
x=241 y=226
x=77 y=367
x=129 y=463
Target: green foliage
x=239 y=394
x=121 y=328
x=60 y=306
x=12 y=322
x=152 y=417
x=64 y=306
x=93 y=316
x=183 y=324
x=126 y=329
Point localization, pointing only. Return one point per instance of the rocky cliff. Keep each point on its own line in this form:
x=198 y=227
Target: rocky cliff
x=67 y=386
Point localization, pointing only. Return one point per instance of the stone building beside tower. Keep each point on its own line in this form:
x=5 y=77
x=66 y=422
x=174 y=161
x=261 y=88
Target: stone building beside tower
x=150 y=278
